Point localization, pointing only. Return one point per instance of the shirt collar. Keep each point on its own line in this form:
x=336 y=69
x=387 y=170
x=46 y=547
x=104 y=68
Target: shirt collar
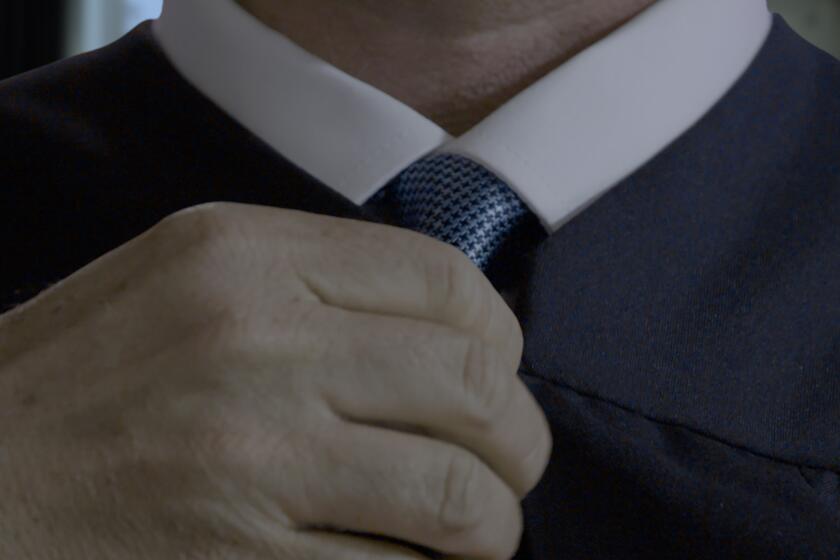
x=560 y=144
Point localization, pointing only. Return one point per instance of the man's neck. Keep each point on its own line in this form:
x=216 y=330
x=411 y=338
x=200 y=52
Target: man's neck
x=453 y=61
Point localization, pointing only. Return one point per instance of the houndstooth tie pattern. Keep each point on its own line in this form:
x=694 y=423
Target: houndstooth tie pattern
x=458 y=201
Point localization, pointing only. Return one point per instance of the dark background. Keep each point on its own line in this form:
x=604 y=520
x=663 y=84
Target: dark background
x=31 y=34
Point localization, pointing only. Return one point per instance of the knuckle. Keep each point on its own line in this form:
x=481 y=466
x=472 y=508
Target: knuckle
x=465 y=298
x=240 y=335
x=213 y=440
x=202 y=221
x=225 y=456
x=207 y=250
x=463 y=494
x=456 y=287
x=208 y=234
x=231 y=339
x=486 y=387
x=224 y=435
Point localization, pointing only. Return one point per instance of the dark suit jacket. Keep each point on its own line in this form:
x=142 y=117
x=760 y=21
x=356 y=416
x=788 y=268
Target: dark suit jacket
x=682 y=334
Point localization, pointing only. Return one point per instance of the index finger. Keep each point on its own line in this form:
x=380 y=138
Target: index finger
x=376 y=268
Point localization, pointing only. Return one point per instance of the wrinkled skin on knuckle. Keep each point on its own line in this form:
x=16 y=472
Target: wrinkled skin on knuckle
x=275 y=351
x=455 y=285
x=192 y=262
x=203 y=225
x=468 y=300
x=346 y=263
x=242 y=385
x=230 y=262
x=222 y=444
x=486 y=387
x=462 y=497
x=230 y=345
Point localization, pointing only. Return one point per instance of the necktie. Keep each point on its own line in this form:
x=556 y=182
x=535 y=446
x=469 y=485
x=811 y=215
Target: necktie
x=460 y=202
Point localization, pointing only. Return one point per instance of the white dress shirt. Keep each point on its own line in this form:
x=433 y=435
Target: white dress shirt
x=560 y=144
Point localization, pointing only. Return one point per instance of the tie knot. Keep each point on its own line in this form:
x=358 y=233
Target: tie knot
x=460 y=202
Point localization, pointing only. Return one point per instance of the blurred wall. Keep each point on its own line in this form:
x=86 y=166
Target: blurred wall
x=817 y=20
x=94 y=23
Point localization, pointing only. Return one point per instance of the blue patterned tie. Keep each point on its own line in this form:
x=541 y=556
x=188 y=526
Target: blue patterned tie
x=458 y=201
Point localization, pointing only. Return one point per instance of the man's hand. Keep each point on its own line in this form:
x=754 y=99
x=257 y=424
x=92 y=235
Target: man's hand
x=243 y=382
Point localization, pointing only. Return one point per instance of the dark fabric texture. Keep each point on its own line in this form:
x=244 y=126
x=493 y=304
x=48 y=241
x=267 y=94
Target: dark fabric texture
x=682 y=334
